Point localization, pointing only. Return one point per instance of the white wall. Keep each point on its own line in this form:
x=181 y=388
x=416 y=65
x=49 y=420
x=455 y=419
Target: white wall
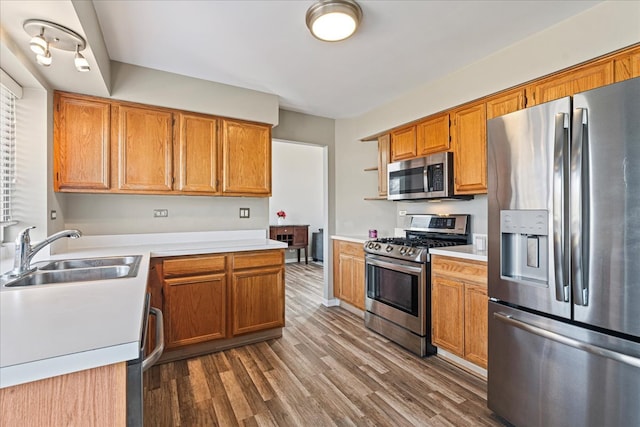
x=297 y=184
x=607 y=27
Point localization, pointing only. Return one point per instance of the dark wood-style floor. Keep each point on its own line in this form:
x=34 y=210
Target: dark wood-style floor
x=326 y=370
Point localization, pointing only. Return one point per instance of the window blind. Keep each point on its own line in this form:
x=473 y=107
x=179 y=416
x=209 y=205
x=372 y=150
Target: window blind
x=7 y=152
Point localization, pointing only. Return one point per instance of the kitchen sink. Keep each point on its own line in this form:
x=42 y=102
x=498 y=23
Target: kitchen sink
x=80 y=270
x=69 y=264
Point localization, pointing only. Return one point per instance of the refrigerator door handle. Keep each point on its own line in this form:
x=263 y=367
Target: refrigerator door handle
x=579 y=197
x=571 y=342
x=561 y=146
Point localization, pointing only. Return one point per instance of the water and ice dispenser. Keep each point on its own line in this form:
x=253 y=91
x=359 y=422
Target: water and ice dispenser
x=524 y=246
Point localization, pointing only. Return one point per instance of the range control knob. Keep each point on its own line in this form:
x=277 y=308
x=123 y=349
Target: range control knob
x=389 y=248
x=403 y=250
x=378 y=246
x=411 y=252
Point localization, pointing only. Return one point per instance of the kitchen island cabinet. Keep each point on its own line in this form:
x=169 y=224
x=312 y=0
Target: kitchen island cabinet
x=195 y=292
x=217 y=301
x=93 y=397
x=257 y=291
x=459 y=307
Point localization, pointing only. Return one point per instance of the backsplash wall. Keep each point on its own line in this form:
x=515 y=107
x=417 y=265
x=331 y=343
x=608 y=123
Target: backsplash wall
x=97 y=214
x=477 y=208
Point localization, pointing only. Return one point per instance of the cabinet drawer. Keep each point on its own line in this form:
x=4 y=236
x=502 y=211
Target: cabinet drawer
x=463 y=269
x=351 y=248
x=194 y=265
x=258 y=259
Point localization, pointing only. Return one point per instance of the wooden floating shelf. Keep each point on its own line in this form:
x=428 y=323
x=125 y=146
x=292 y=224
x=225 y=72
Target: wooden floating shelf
x=373 y=168
x=376 y=198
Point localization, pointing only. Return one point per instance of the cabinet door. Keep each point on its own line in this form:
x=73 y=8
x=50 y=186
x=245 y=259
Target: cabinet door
x=195 y=309
x=346 y=269
x=300 y=235
x=627 y=65
x=432 y=135
x=447 y=315
x=246 y=153
x=476 y=324
x=257 y=299
x=358 y=282
x=574 y=81
x=197 y=154
x=403 y=144
x=383 y=160
x=470 y=149
x=145 y=138
x=81 y=143
x=505 y=103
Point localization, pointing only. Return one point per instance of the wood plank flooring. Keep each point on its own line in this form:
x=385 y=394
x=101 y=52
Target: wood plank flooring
x=326 y=370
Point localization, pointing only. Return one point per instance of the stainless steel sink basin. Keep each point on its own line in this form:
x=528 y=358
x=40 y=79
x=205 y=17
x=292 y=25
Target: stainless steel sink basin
x=90 y=263
x=80 y=270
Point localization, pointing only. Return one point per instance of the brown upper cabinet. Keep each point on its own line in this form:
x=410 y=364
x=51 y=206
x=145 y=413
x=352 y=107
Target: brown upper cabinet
x=403 y=144
x=469 y=131
x=145 y=140
x=467 y=128
x=109 y=146
x=627 y=66
x=505 y=103
x=432 y=135
x=570 y=82
x=81 y=166
x=197 y=156
x=246 y=162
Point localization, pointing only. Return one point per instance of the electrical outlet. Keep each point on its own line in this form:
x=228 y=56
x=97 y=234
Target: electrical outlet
x=160 y=213
x=402 y=213
x=53 y=215
x=244 y=212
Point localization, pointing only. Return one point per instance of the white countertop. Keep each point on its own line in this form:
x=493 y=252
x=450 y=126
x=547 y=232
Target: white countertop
x=50 y=330
x=348 y=238
x=464 y=252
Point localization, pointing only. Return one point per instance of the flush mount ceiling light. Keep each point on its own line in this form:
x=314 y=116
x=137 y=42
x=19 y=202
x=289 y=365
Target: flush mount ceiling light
x=333 y=20
x=46 y=35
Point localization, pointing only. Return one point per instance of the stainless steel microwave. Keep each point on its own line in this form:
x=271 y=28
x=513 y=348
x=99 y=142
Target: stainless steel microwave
x=428 y=177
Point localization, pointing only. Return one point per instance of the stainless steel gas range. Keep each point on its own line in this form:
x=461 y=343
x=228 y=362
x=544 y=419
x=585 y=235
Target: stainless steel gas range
x=398 y=279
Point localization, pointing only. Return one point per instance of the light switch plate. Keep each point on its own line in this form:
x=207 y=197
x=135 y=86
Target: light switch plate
x=244 y=213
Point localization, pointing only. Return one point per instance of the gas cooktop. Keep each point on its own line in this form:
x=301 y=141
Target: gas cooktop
x=426 y=231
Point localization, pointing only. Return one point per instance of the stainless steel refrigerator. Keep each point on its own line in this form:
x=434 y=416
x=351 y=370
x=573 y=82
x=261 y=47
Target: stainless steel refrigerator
x=564 y=261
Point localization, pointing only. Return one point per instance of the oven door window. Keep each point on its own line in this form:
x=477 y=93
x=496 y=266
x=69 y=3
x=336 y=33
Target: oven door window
x=394 y=288
x=406 y=181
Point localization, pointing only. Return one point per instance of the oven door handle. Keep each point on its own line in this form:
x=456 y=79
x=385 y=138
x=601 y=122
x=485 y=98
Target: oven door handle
x=159 y=348
x=402 y=268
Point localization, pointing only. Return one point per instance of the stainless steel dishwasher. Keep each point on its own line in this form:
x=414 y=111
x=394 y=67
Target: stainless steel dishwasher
x=136 y=367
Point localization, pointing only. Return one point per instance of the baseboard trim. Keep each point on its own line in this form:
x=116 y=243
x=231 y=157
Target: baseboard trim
x=333 y=302
x=463 y=364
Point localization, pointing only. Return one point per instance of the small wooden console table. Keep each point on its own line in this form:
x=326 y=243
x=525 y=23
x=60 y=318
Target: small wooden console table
x=296 y=236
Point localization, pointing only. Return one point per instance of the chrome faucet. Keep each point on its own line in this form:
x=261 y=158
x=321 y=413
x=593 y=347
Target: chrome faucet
x=25 y=252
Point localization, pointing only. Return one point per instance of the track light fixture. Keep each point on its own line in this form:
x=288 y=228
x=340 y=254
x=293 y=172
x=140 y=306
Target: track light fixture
x=333 y=20
x=46 y=35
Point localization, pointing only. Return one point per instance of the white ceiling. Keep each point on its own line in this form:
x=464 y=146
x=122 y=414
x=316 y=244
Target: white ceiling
x=265 y=45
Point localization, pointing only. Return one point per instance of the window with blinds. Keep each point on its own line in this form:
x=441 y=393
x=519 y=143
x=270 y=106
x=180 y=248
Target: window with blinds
x=7 y=153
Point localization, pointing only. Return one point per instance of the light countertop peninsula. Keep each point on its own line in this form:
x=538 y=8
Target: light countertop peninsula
x=50 y=330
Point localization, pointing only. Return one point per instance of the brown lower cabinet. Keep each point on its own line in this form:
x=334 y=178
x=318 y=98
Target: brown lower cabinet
x=348 y=272
x=217 y=297
x=459 y=305
x=93 y=397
